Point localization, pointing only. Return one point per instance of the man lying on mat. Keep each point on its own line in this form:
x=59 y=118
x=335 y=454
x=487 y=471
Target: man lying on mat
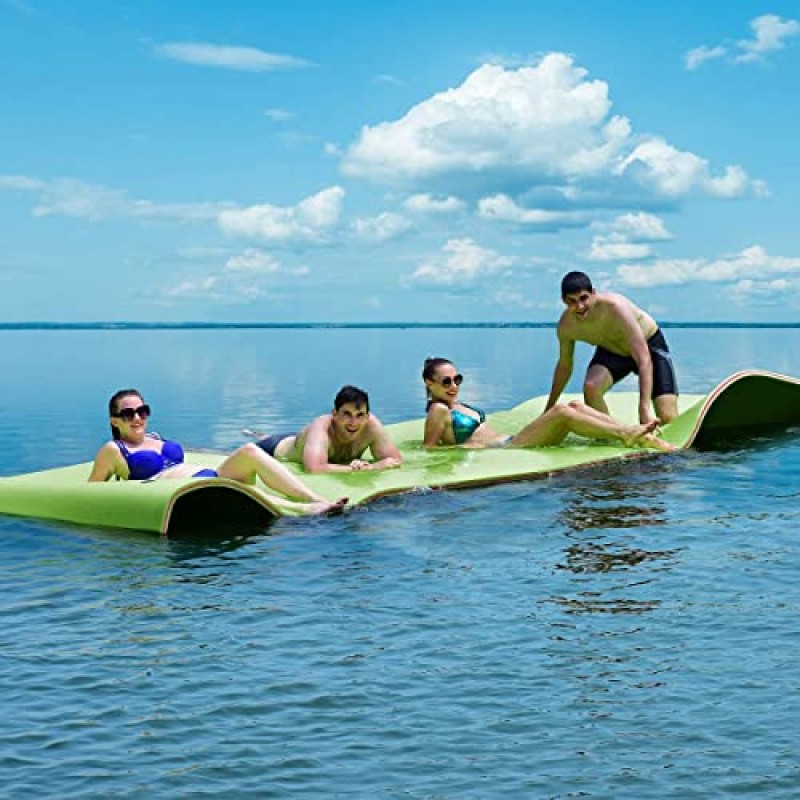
x=336 y=442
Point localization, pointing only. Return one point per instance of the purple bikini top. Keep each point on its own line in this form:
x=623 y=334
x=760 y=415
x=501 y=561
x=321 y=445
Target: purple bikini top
x=144 y=464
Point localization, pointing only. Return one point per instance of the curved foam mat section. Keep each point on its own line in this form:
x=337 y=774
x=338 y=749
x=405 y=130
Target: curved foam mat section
x=744 y=401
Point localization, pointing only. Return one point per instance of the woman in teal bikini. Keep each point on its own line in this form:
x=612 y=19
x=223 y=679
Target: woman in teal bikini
x=451 y=422
x=135 y=454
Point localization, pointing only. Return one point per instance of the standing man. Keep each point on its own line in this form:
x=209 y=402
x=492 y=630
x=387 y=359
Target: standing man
x=337 y=441
x=627 y=340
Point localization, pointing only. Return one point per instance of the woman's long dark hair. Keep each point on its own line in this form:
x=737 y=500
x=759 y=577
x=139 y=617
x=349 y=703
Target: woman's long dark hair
x=113 y=408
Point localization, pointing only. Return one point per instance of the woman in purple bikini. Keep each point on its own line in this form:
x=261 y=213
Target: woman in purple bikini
x=135 y=454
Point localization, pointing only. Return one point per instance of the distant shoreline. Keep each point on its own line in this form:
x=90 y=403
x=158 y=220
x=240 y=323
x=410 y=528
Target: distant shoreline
x=105 y=326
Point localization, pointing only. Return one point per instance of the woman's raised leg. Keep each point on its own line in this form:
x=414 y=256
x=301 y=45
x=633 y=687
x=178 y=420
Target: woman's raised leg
x=649 y=439
x=552 y=427
x=250 y=461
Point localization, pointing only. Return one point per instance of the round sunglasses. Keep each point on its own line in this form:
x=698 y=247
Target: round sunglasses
x=128 y=414
x=456 y=380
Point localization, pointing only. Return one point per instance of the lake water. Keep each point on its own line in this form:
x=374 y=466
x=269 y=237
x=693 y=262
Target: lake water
x=628 y=631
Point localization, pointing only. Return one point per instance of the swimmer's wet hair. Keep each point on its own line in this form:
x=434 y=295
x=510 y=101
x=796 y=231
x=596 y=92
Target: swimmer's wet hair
x=351 y=394
x=431 y=365
x=574 y=282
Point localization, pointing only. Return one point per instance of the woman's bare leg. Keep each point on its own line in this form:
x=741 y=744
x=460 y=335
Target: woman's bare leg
x=546 y=430
x=314 y=507
x=649 y=439
x=250 y=461
x=552 y=427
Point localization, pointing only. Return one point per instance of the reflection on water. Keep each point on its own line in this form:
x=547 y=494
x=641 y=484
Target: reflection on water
x=608 y=557
x=203 y=546
x=601 y=510
x=627 y=495
x=593 y=603
x=606 y=518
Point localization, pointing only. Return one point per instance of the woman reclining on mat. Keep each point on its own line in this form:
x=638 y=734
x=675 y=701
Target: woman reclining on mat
x=135 y=454
x=451 y=422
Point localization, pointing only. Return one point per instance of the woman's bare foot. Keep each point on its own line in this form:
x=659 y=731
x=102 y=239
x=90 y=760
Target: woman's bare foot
x=653 y=442
x=326 y=506
x=636 y=433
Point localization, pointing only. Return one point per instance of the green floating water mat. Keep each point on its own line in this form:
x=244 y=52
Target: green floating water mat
x=742 y=402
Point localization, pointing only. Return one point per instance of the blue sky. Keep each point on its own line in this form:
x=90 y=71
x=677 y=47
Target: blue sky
x=415 y=161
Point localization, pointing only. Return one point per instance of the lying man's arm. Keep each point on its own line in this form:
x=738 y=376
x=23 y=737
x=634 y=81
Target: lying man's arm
x=383 y=449
x=315 y=449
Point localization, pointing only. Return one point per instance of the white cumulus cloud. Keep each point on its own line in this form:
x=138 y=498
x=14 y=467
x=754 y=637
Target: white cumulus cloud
x=278 y=114
x=461 y=261
x=502 y=208
x=770 y=33
x=254 y=261
x=249 y=59
x=753 y=263
x=546 y=119
x=639 y=227
x=380 y=228
x=747 y=289
x=425 y=203
x=697 y=56
x=605 y=250
x=627 y=237
x=674 y=173
x=308 y=221
x=75 y=198
x=196 y=287
x=542 y=127
x=244 y=277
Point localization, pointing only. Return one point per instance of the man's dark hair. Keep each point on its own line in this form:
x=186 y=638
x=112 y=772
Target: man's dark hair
x=574 y=282
x=351 y=394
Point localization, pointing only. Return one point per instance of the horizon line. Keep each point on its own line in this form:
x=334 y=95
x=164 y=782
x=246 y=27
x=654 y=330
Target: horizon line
x=205 y=324
x=208 y=325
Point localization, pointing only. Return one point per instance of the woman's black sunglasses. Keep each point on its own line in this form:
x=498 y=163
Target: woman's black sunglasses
x=129 y=413
x=448 y=381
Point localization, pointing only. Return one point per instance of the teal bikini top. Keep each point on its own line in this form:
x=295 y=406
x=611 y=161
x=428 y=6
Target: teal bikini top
x=465 y=425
